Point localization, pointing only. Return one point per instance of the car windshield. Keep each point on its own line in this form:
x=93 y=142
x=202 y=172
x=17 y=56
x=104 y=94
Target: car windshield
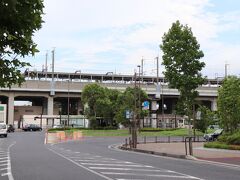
x=218 y=131
x=2 y=126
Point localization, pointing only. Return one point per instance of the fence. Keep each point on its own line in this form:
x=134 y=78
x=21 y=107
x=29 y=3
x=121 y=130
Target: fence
x=161 y=139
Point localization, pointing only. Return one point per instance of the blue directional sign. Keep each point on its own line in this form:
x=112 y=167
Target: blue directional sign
x=146 y=105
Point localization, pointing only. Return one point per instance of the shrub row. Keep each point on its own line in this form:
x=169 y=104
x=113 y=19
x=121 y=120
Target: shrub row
x=155 y=129
x=81 y=128
x=220 y=145
x=233 y=139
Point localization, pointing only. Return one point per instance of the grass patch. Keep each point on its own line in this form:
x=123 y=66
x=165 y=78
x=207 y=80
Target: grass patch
x=174 y=132
x=125 y=132
x=221 y=145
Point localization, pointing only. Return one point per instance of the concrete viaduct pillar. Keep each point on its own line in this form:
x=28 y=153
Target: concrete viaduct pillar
x=10 y=108
x=214 y=104
x=50 y=106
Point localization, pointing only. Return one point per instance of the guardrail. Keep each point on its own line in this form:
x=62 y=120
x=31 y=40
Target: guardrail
x=163 y=139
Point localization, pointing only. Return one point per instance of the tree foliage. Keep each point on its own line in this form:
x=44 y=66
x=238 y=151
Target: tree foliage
x=181 y=55
x=126 y=101
x=19 y=19
x=101 y=103
x=92 y=95
x=228 y=104
x=111 y=105
x=206 y=118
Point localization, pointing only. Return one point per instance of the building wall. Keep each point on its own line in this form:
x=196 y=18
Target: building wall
x=26 y=110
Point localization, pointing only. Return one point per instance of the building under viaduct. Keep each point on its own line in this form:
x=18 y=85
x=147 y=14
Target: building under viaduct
x=61 y=93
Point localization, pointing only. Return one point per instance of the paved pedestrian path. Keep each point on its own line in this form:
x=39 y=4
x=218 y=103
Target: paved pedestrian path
x=178 y=149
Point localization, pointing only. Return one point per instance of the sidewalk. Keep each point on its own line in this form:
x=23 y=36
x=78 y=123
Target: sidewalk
x=199 y=152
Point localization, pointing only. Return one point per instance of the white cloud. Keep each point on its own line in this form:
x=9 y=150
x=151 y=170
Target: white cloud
x=132 y=29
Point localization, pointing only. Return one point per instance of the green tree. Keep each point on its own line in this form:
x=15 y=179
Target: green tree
x=101 y=102
x=19 y=19
x=206 y=118
x=91 y=94
x=107 y=107
x=228 y=104
x=181 y=55
x=126 y=101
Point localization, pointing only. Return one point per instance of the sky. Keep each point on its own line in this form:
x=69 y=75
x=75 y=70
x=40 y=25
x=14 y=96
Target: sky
x=100 y=36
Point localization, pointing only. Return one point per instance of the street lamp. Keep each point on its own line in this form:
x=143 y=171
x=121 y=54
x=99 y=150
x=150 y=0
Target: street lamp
x=68 y=104
x=139 y=94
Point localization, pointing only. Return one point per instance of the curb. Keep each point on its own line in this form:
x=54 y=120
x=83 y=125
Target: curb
x=153 y=152
x=187 y=157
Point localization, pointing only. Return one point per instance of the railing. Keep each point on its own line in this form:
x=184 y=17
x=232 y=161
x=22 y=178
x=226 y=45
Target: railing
x=164 y=139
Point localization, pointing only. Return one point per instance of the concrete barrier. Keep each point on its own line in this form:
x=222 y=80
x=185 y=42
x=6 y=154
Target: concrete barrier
x=52 y=138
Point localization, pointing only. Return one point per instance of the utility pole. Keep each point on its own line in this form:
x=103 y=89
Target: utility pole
x=68 y=103
x=46 y=68
x=157 y=71
x=142 y=68
x=226 y=70
x=52 y=92
x=134 y=132
x=139 y=96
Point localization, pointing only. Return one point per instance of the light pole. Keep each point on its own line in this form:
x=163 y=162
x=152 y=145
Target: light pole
x=139 y=95
x=134 y=132
x=68 y=105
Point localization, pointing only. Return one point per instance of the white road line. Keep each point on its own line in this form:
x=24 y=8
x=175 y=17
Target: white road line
x=94 y=172
x=4 y=158
x=150 y=175
x=9 y=173
x=5 y=174
x=4 y=169
x=84 y=160
x=3 y=164
x=129 y=179
x=129 y=169
x=129 y=165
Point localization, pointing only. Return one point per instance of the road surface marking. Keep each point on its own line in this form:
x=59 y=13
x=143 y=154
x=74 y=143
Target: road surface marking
x=4 y=158
x=94 y=172
x=150 y=175
x=129 y=169
x=129 y=179
x=84 y=160
x=3 y=164
x=5 y=174
x=9 y=173
x=130 y=165
x=4 y=169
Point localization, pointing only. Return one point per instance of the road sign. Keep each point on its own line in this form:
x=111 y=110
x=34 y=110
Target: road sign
x=145 y=105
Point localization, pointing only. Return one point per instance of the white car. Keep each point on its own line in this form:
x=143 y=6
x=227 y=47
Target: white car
x=3 y=129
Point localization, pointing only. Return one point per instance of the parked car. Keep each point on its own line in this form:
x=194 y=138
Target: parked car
x=3 y=129
x=58 y=126
x=32 y=127
x=10 y=128
x=213 y=127
x=213 y=136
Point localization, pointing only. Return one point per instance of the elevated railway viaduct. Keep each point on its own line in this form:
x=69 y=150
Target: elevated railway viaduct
x=52 y=94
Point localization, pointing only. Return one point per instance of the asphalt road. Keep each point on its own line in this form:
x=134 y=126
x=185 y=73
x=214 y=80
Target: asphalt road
x=24 y=156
